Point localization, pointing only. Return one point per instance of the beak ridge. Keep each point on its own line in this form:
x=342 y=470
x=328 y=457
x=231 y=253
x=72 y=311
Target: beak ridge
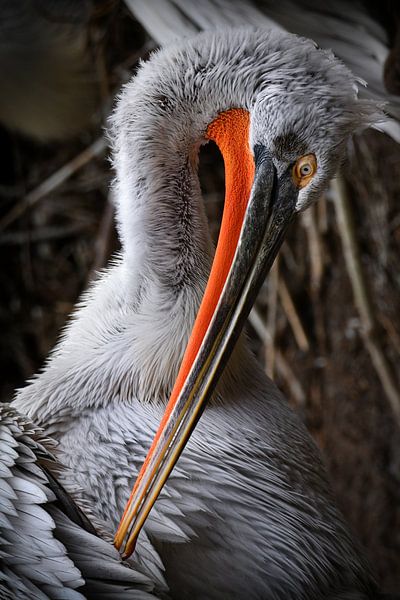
x=270 y=209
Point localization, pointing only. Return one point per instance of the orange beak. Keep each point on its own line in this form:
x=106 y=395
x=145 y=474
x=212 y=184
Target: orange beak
x=254 y=221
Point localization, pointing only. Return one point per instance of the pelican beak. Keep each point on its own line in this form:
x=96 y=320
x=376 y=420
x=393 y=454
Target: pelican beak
x=268 y=210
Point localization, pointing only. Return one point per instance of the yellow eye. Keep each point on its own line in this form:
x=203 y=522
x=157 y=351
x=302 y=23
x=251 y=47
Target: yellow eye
x=304 y=170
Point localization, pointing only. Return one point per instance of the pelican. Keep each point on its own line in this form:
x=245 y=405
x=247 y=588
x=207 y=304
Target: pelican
x=350 y=30
x=247 y=511
x=49 y=549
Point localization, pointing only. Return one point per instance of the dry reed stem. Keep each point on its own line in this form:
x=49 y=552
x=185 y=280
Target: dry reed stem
x=361 y=295
x=54 y=181
x=272 y=303
x=292 y=315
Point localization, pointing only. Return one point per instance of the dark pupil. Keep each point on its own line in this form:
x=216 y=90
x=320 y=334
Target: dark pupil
x=305 y=170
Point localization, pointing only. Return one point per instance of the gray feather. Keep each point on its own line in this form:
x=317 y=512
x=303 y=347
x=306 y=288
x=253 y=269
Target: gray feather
x=44 y=553
x=345 y=28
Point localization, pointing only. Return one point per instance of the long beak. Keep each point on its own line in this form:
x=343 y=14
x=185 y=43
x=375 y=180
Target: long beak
x=269 y=211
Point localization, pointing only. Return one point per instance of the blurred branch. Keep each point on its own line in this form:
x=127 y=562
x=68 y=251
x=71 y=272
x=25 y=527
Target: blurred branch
x=44 y=234
x=272 y=302
x=315 y=251
x=315 y=223
x=361 y=296
x=54 y=181
x=292 y=315
x=282 y=366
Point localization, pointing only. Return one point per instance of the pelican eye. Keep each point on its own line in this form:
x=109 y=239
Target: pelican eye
x=304 y=170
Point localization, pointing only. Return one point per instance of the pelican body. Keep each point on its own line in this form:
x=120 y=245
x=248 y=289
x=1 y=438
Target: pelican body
x=247 y=512
x=49 y=549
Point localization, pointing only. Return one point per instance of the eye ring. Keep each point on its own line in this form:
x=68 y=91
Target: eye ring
x=304 y=170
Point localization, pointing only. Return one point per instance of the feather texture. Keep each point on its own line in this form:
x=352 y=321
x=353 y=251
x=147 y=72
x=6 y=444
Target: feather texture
x=345 y=28
x=44 y=554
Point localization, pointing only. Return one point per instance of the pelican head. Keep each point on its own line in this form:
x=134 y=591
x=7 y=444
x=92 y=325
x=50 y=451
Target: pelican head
x=281 y=111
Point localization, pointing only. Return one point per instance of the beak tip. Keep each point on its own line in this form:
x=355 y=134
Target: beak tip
x=118 y=539
x=129 y=549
